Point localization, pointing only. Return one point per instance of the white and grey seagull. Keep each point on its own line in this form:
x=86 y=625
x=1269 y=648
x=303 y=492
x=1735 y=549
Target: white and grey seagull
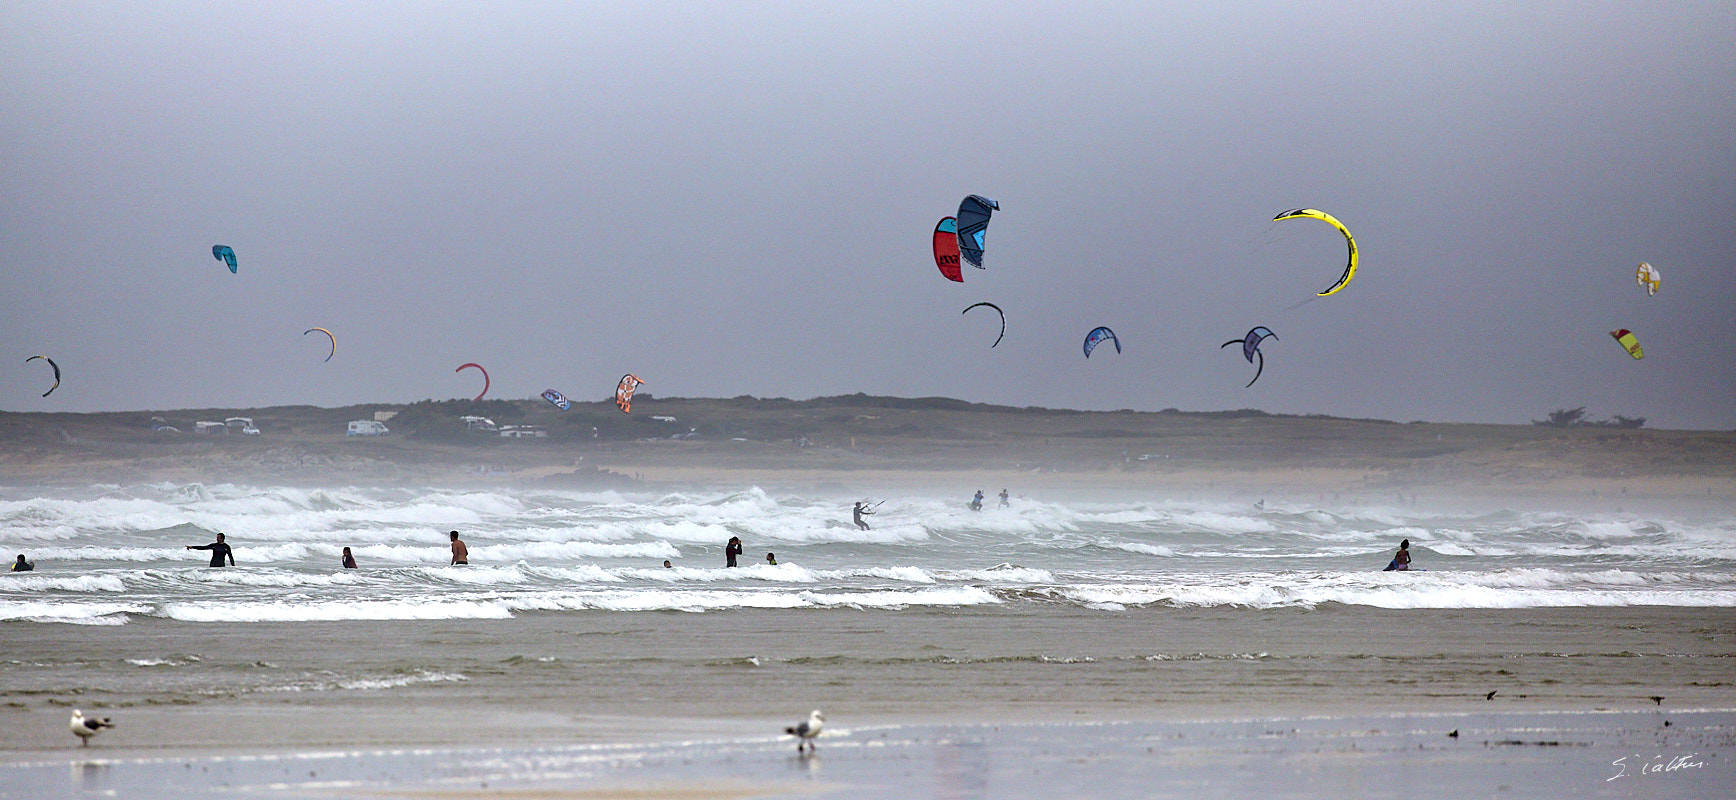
x=87 y=727
x=806 y=731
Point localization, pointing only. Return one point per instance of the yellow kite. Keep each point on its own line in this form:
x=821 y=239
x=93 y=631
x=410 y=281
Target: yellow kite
x=1349 y=264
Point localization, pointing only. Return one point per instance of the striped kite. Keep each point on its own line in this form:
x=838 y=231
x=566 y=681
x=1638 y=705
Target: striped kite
x=1349 y=264
x=1097 y=336
x=973 y=225
x=624 y=392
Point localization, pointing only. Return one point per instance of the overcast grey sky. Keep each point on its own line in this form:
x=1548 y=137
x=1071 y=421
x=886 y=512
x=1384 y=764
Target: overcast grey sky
x=737 y=198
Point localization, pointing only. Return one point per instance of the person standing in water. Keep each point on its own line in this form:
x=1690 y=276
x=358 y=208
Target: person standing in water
x=771 y=559
x=731 y=550
x=460 y=553
x=976 y=503
x=349 y=560
x=21 y=565
x=861 y=510
x=219 y=551
x=1004 y=502
x=1400 y=562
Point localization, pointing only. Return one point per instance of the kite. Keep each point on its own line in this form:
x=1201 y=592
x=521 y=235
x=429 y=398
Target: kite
x=328 y=336
x=1096 y=337
x=559 y=400
x=461 y=368
x=973 y=225
x=56 y=372
x=946 y=249
x=624 y=391
x=1648 y=278
x=1251 y=348
x=1623 y=337
x=225 y=254
x=1349 y=264
x=997 y=311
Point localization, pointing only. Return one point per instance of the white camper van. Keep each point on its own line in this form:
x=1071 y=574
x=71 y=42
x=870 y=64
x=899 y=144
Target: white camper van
x=368 y=427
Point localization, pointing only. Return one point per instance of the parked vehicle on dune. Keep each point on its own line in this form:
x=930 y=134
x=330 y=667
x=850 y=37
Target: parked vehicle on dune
x=368 y=427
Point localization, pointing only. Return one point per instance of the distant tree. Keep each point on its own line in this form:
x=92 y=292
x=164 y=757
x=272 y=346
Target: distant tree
x=1575 y=418
x=1563 y=418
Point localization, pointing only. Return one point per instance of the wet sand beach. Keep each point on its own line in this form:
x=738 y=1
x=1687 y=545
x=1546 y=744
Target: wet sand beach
x=612 y=705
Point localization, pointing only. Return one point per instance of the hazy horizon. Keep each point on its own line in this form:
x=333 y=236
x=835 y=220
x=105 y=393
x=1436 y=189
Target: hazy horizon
x=733 y=199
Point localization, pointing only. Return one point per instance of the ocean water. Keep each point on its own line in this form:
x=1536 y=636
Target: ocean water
x=1049 y=609
x=111 y=556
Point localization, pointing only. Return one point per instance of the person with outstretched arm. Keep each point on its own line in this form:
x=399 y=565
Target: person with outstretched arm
x=861 y=510
x=219 y=551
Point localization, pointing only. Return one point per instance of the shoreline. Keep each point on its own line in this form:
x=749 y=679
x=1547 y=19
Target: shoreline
x=604 y=677
x=1514 y=754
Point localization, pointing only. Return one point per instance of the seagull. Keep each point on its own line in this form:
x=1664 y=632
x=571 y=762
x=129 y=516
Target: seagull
x=806 y=731
x=1490 y=695
x=1658 y=699
x=86 y=728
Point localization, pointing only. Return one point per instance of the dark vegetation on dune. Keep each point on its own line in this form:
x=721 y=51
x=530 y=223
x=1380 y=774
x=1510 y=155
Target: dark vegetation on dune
x=430 y=441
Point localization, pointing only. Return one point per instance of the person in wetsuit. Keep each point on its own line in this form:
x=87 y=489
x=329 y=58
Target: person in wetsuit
x=21 y=565
x=349 y=560
x=731 y=550
x=861 y=510
x=219 y=551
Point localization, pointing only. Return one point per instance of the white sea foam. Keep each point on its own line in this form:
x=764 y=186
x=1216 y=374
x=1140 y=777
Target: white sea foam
x=566 y=551
x=1001 y=574
x=70 y=583
x=1137 y=547
x=79 y=612
x=906 y=574
x=430 y=608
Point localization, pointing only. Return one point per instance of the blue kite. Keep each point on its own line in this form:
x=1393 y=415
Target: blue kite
x=1251 y=348
x=973 y=226
x=1097 y=336
x=559 y=400
x=225 y=254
